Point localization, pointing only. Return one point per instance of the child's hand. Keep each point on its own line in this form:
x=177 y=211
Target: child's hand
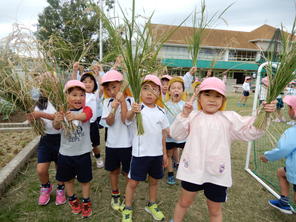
x=58 y=117
x=136 y=108
x=120 y=97
x=271 y=107
x=70 y=116
x=115 y=104
x=76 y=66
x=263 y=159
x=187 y=109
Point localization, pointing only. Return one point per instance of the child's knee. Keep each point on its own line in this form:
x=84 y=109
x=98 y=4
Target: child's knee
x=281 y=172
x=185 y=203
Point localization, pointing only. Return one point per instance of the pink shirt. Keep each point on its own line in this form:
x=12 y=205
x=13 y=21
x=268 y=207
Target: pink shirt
x=206 y=155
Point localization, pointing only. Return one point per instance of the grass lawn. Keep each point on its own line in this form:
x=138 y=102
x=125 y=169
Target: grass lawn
x=247 y=199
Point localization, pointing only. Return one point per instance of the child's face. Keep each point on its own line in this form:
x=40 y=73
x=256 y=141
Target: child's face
x=175 y=91
x=291 y=112
x=149 y=93
x=89 y=84
x=164 y=85
x=210 y=101
x=76 y=98
x=112 y=88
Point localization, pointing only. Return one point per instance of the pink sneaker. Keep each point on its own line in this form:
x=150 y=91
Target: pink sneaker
x=60 y=197
x=44 y=195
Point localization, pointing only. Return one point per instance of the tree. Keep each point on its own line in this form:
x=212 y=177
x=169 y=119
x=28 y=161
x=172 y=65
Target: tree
x=69 y=30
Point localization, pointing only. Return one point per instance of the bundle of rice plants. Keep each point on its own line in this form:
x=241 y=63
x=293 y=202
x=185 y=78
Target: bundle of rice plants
x=280 y=74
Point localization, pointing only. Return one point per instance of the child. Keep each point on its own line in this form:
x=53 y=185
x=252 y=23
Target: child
x=195 y=87
x=175 y=101
x=92 y=100
x=164 y=85
x=246 y=91
x=205 y=162
x=149 y=152
x=47 y=151
x=285 y=149
x=263 y=90
x=77 y=71
x=118 y=144
x=74 y=156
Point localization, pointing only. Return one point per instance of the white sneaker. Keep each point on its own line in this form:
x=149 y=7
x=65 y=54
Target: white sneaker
x=291 y=123
x=100 y=163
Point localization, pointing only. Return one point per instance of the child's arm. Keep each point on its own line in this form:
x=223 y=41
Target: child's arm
x=165 y=157
x=111 y=117
x=37 y=114
x=57 y=121
x=84 y=116
x=75 y=70
x=120 y=97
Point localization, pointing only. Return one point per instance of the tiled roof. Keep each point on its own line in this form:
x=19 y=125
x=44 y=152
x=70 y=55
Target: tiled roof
x=216 y=37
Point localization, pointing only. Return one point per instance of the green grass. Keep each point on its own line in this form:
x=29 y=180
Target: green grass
x=247 y=199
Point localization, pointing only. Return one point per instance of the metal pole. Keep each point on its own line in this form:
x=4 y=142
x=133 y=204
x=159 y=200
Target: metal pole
x=101 y=33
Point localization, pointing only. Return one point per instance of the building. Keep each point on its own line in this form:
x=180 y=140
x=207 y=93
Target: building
x=236 y=52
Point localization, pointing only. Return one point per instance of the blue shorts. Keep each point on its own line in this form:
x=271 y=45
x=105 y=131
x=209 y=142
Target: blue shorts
x=94 y=134
x=212 y=192
x=48 y=148
x=71 y=166
x=114 y=157
x=141 y=166
x=171 y=145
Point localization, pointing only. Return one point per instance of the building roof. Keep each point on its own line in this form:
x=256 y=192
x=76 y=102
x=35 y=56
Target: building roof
x=216 y=37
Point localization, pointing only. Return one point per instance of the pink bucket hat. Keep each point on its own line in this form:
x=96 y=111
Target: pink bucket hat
x=74 y=83
x=265 y=81
x=291 y=101
x=166 y=77
x=213 y=83
x=112 y=76
x=152 y=78
x=248 y=77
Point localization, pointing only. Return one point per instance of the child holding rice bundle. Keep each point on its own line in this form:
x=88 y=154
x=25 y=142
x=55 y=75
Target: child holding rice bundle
x=74 y=155
x=148 y=152
x=92 y=99
x=285 y=149
x=175 y=98
x=118 y=145
x=205 y=162
x=246 y=91
x=47 y=151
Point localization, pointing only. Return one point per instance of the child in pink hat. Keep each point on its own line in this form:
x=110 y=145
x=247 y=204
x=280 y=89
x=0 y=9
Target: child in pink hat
x=205 y=163
x=118 y=150
x=285 y=149
x=149 y=151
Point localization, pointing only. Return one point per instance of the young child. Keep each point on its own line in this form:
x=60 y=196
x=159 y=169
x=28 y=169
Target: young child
x=263 y=89
x=164 y=85
x=205 y=163
x=175 y=98
x=74 y=156
x=47 y=151
x=195 y=87
x=148 y=152
x=92 y=100
x=246 y=91
x=77 y=71
x=285 y=149
x=118 y=144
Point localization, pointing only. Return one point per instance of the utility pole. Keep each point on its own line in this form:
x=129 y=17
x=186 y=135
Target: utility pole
x=101 y=33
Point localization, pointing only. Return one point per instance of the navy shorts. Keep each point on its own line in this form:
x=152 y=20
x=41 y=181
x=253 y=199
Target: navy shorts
x=280 y=103
x=48 y=148
x=246 y=93
x=98 y=121
x=71 y=166
x=114 y=157
x=94 y=134
x=294 y=185
x=171 y=145
x=212 y=192
x=141 y=166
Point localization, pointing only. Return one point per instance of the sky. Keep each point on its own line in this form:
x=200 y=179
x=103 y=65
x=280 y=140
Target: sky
x=243 y=15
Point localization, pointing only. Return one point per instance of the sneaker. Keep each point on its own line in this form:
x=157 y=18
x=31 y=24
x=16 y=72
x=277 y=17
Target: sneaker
x=171 y=180
x=75 y=206
x=115 y=202
x=122 y=205
x=44 y=195
x=286 y=209
x=155 y=212
x=100 y=162
x=127 y=215
x=86 y=210
x=60 y=197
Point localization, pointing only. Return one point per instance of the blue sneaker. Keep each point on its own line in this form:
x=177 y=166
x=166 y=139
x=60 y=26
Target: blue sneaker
x=171 y=180
x=284 y=208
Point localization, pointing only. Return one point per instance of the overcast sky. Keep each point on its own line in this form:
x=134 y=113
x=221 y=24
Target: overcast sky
x=244 y=15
